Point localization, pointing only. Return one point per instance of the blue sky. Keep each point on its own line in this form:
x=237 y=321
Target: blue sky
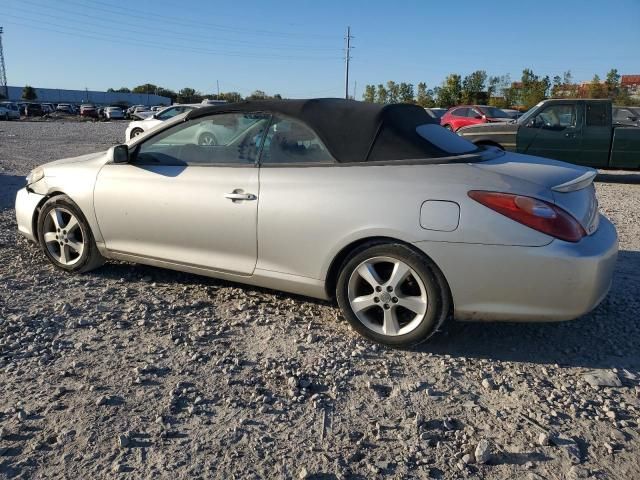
x=295 y=47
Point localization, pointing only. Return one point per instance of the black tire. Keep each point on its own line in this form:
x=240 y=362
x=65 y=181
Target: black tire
x=437 y=291
x=448 y=127
x=90 y=258
x=135 y=132
x=207 y=138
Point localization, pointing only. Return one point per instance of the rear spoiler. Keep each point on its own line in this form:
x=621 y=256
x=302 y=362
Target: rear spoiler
x=578 y=183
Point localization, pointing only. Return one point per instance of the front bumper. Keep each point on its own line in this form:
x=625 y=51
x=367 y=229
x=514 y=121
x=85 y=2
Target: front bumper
x=559 y=281
x=26 y=204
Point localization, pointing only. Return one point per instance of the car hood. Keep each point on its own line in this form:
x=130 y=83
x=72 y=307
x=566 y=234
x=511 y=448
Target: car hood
x=98 y=158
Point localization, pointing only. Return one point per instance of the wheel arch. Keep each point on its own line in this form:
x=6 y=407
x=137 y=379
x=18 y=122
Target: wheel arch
x=36 y=211
x=331 y=278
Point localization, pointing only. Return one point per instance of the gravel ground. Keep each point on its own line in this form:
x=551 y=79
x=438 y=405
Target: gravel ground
x=136 y=372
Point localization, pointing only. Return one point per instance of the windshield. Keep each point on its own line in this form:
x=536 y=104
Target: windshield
x=493 y=112
x=527 y=115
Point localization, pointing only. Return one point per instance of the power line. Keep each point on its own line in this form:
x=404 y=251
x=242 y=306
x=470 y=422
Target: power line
x=191 y=22
x=109 y=37
x=174 y=33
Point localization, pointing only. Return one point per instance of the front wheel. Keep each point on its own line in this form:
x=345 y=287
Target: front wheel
x=65 y=236
x=392 y=294
x=136 y=131
x=448 y=127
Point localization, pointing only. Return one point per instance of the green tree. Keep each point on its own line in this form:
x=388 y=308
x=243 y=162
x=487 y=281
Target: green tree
x=596 y=89
x=393 y=92
x=231 y=97
x=29 y=93
x=492 y=86
x=165 y=92
x=424 y=97
x=369 y=94
x=145 y=88
x=189 y=95
x=119 y=90
x=473 y=86
x=257 y=95
x=533 y=89
x=406 y=93
x=450 y=93
x=612 y=83
x=556 y=87
x=382 y=95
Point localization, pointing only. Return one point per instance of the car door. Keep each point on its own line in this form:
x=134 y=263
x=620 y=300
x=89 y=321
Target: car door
x=596 y=134
x=555 y=132
x=459 y=118
x=297 y=194
x=182 y=202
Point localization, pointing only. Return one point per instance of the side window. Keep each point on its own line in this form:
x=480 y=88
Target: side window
x=168 y=113
x=460 y=112
x=228 y=138
x=597 y=115
x=290 y=141
x=556 y=117
x=473 y=113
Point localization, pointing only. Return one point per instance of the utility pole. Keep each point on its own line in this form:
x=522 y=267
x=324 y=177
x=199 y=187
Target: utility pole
x=355 y=87
x=4 y=90
x=218 y=85
x=346 y=59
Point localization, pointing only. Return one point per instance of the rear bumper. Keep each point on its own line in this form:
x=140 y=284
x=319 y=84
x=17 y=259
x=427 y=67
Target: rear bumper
x=559 y=281
x=26 y=204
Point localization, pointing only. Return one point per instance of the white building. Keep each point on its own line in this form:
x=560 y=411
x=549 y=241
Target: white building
x=57 y=95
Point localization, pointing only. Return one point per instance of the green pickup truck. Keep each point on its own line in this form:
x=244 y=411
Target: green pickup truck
x=576 y=131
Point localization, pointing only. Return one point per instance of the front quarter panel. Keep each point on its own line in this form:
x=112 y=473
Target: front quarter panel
x=76 y=179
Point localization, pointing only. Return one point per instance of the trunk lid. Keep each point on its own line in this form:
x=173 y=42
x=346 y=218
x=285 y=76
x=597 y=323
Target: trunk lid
x=570 y=186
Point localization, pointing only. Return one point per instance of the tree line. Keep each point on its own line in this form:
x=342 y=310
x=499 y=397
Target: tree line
x=499 y=91
x=190 y=95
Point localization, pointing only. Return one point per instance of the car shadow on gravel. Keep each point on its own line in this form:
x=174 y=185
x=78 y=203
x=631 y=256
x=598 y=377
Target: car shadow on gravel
x=604 y=338
x=9 y=186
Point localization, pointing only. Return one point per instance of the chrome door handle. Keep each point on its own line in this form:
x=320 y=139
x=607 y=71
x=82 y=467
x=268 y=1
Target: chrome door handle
x=240 y=196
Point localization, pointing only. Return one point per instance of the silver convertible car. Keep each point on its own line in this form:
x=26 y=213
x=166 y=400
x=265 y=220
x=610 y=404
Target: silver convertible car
x=378 y=207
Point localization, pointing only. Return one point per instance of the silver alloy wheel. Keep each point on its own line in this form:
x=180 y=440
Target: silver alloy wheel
x=387 y=296
x=63 y=236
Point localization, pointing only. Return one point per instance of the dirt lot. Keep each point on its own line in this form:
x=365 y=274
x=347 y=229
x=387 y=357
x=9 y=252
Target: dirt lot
x=136 y=372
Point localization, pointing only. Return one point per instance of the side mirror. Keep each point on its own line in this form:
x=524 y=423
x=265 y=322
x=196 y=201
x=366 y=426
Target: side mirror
x=121 y=154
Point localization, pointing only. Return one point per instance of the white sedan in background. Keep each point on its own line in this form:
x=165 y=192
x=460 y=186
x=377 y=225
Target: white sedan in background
x=114 y=113
x=137 y=127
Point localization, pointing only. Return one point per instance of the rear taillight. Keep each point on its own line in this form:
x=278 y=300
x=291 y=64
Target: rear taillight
x=537 y=214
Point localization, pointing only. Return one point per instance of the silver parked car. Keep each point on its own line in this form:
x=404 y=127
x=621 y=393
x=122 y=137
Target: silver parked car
x=402 y=222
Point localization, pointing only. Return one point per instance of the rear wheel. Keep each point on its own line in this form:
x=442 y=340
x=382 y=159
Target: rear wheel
x=393 y=295
x=65 y=236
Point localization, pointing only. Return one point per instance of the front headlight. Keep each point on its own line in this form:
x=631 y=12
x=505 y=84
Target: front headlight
x=35 y=175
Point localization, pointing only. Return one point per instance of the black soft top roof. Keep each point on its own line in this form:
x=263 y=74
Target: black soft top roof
x=352 y=131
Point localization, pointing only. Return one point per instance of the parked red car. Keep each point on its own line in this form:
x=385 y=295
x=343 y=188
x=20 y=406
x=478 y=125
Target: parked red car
x=464 y=115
